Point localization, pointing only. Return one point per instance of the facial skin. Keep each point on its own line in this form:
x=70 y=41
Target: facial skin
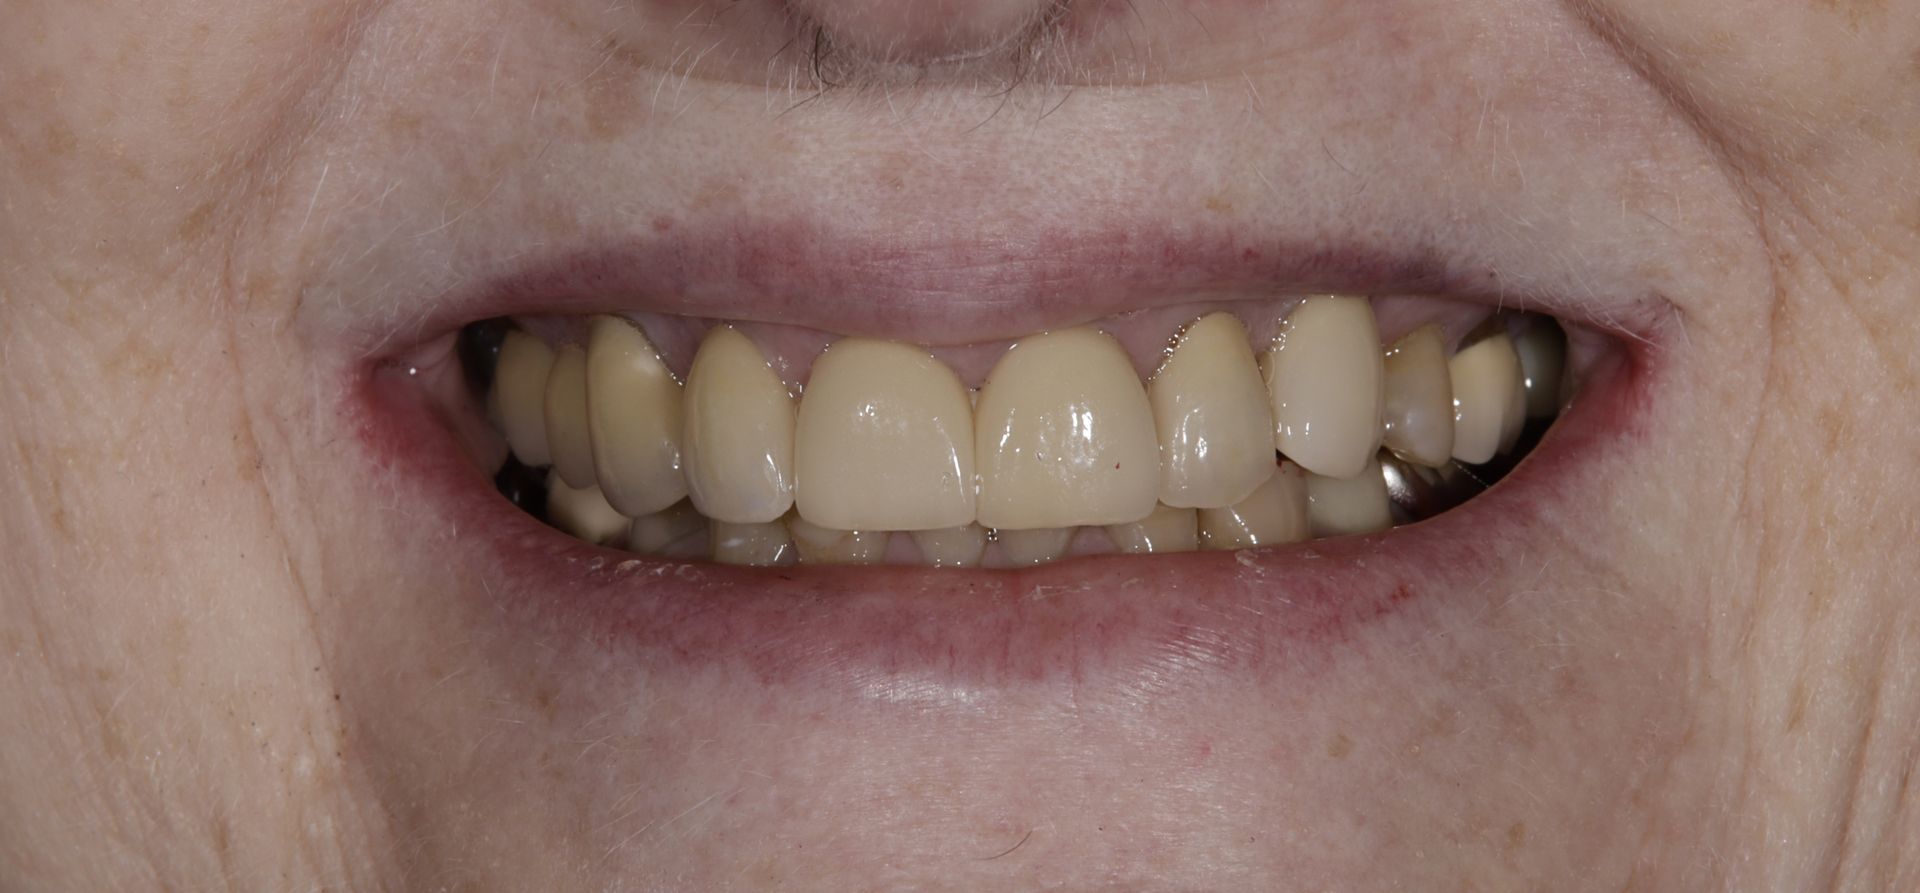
x=244 y=648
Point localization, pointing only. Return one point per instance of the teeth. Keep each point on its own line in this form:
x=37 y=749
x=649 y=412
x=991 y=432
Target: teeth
x=1023 y=548
x=634 y=419
x=663 y=532
x=738 y=446
x=1542 y=348
x=760 y=544
x=1514 y=420
x=1168 y=529
x=1214 y=420
x=1486 y=375
x=884 y=441
x=566 y=418
x=822 y=545
x=520 y=395
x=1354 y=505
x=1325 y=377
x=584 y=513
x=1419 y=402
x=1420 y=492
x=1064 y=436
x=952 y=546
x=1275 y=513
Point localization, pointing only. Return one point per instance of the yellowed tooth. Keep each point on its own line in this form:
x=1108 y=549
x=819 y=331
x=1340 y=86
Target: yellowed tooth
x=660 y=532
x=1168 y=529
x=738 y=439
x=520 y=395
x=884 y=440
x=634 y=417
x=1485 y=375
x=1542 y=348
x=823 y=545
x=566 y=417
x=1064 y=436
x=1345 y=506
x=1214 y=421
x=952 y=547
x=1325 y=378
x=1024 y=548
x=1419 y=402
x=759 y=544
x=584 y=514
x=1276 y=513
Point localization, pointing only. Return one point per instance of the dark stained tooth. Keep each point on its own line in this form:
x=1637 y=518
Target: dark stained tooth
x=1542 y=346
x=1418 y=492
x=523 y=486
x=478 y=346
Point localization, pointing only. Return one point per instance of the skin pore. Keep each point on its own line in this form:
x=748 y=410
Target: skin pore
x=245 y=647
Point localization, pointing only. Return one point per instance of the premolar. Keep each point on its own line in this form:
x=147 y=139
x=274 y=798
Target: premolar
x=520 y=396
x=568 y=442
x=884 y=440
x=1486 y=377
x=1064 y=436
x=1419 y=398
x=1214 y=419
x=634 y=415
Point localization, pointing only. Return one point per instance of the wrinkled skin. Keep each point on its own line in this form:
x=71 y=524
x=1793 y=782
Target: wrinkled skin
x=238 y=654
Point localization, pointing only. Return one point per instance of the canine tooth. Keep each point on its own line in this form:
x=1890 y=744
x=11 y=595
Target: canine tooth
x=566 y=417
x=634 y=417
x=1325 y=379
x=1214 y=420
x=1275 y=513
x=1485 y=376
x=762 y=544
x=520 y=395
x=1343 y=506
x=738 y=445
x=1064 y=436
x=1168 y=529
x=583 y=513
x=884 y=441
x=657 y=533
x=1023 y=548
x=1419 y=401
x=953 y=546
x=1542 y=348
x=824 y=545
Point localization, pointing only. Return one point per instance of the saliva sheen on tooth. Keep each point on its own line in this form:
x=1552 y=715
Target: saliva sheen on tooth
x=1063 y=449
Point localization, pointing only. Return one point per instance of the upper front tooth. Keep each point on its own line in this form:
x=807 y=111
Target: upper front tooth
x=1419 y=402
x=1064 y=436
x=1343 y=506
x=1214 y=420
x=1275 y=513
x=738 y=445
x=1325 y=377
x=520 y=395
x=1485 y=376
x=884 y=441
x=568 y=443
x=634 y=418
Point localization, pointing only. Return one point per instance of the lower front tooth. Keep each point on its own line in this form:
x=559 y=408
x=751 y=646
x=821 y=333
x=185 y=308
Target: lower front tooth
x=1022 y=548
x=824 y=545
x=952 y=546
x=1276 y=513
x=1486 y=375
x=1348 y=506
x=519 y=396
x=1168 y=529
x=760 y=544
x=584 y=513
x=659 y=532
x=569 y=444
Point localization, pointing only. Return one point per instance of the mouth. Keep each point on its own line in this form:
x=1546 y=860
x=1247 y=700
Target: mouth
x=1106 y=465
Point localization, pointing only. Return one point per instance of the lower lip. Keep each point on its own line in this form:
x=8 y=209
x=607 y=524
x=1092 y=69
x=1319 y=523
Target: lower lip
x=1143 y=622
